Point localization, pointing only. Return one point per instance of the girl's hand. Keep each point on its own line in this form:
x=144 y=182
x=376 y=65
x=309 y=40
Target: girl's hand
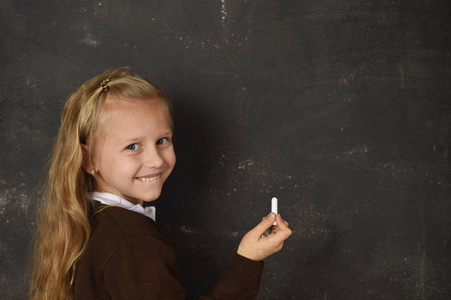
x=256 y=246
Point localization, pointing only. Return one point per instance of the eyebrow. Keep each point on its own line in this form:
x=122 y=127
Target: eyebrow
x=138 y=138
x=169 y=133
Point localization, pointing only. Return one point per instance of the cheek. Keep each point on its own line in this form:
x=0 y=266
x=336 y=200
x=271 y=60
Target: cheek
x=106 y=162
x=170 y=158
x=116 y=164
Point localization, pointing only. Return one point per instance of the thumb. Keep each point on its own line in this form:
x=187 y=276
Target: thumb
x=264 y=225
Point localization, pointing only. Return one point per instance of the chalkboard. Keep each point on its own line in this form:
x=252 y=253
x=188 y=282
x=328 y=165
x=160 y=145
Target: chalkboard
x=341 y=109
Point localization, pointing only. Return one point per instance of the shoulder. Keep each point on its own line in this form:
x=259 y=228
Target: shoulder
x=122 y=246
x=114 y=229
x=122 y=223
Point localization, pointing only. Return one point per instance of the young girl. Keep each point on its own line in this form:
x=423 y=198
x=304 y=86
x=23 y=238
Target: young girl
x=96 y=241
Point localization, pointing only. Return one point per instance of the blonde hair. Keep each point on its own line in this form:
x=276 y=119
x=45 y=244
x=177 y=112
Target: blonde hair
x=63 y=229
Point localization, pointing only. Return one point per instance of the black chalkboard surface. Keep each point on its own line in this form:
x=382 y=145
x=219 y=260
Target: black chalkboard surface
x=341 y=109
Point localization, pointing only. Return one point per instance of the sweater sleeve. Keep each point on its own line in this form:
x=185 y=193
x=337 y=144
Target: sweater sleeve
x=241 y=280
x=143 y=267
x=128 y=257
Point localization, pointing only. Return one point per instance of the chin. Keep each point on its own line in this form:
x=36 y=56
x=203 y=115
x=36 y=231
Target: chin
x=149 y=200
x=152 y=198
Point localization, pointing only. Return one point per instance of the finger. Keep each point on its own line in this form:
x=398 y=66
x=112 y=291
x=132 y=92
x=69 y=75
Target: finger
x=283 y=227
x=281 y=223
x=263 y=226
x=284 y=222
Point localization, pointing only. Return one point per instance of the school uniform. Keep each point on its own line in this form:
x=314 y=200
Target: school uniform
x=128 y=257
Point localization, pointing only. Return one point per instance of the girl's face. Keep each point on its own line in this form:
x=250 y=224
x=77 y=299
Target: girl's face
x=134 y=153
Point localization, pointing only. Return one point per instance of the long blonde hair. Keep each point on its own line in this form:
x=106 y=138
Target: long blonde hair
x=63 y=229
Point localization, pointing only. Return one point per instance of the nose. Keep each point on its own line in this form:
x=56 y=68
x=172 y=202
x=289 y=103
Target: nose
x=152 y=158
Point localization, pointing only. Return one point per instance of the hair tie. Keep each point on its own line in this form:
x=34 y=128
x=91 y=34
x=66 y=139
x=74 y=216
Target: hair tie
x=104 y=84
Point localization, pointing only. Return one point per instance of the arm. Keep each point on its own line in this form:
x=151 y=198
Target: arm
x=242 y=278
x=143 y=267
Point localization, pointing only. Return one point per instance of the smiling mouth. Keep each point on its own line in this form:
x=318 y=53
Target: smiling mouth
x=148 y=179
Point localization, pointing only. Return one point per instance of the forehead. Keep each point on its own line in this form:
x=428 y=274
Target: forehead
x=128 y=115
x=113 y=105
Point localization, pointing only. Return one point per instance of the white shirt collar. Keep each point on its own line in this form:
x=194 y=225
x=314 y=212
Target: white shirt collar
x=115 y=200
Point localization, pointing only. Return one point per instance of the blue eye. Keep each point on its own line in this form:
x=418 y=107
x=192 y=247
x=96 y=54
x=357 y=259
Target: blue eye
x=134 y=146
x=162 y=141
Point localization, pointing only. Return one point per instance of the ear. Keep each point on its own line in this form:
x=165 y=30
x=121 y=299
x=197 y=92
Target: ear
x=87 y=164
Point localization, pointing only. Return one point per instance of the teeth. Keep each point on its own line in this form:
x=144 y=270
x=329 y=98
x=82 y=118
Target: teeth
x=150 y=178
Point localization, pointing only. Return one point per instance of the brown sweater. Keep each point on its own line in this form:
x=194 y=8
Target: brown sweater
x=128 y=257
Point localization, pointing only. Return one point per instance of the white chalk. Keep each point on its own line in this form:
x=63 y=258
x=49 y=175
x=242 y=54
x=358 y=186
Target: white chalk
x=274 y=207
